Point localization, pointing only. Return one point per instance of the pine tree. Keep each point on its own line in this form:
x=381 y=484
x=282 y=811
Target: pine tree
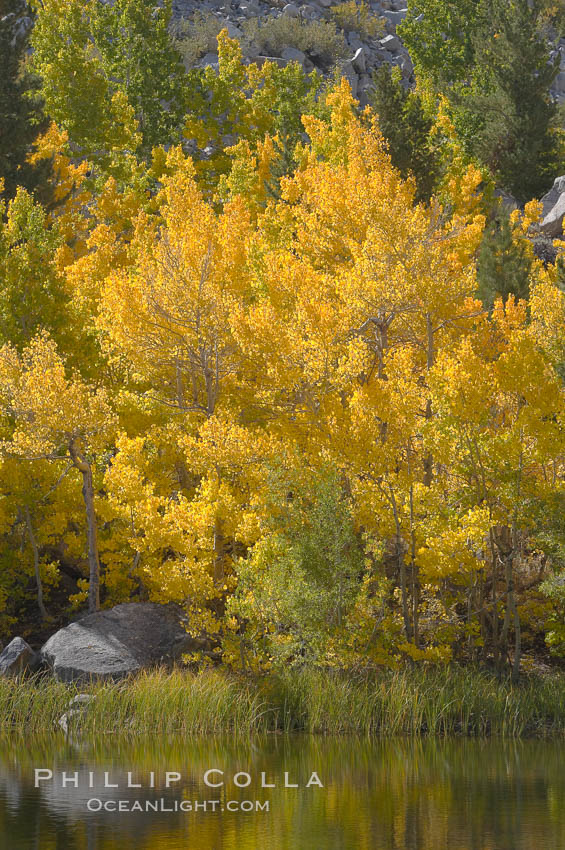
x=504 y=263
x=512 y=114
x=20 y=116
x=490 y=60
x=406 y=127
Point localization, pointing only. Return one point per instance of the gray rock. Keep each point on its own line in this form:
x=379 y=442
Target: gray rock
x=292 y=54
x=553 y=209
x=76 y=708
x=233 y=31
x=81 y=701
x=545 y=250
x=310 y=12
x=114 y=643
x=407 y=66
x=16 y=658
x=559 y=83
x=391 y=43
x=350 y=75
x=354 y=40
x=291 y=10
x=507 y=201
x=210 y=59
x=384 y=56
x=395 y=18
x=359 y=61
x=65 y=719
x=260 y=60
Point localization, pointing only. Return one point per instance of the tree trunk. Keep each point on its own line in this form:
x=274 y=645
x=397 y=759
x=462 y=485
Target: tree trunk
x=517 y=645
x=512 y=611
x=85 y=469
x=495 y=638
x=35 y=550
x=219 y=552
x=503 y=648
x=401 y=569
x=517 y=629
x=414 y=574
x=404 y=590
x=430 y=357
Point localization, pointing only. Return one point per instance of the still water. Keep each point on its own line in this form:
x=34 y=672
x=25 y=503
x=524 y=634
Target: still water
x=382 y=795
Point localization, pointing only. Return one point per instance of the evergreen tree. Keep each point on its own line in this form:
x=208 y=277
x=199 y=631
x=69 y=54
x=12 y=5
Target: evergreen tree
x=20 y=116
x=406 y=127
x=490 y=59
x=504 y=264
x=508 y=102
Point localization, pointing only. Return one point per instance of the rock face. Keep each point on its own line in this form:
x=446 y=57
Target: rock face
x=387 y=47
x=112 y=644
x=16 y=658
x=363 y=52
x=553 y=209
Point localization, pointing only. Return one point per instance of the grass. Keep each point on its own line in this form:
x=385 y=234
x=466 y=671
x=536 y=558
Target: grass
x=409 y=702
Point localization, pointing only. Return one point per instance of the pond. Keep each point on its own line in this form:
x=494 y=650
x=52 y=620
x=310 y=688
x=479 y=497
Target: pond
x=216 y=794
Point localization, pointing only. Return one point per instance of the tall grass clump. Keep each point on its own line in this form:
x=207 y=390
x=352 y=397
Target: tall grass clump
x=352 y=15
x=34 y=704
x=436 y=701
x=420 y=701
x=163 y=702
x=196 y=36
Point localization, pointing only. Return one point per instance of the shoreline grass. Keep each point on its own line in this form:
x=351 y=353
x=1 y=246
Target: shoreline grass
x=451 y=701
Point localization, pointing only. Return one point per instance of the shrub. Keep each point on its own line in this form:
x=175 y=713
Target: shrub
x=352 y=15
x=320 y=40
x=197 y=36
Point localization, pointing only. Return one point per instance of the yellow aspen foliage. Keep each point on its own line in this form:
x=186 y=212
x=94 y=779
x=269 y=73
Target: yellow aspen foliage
x=169 y=313
x=245 y=121
x=346 y=325
x=50 y=417
x=290 y=411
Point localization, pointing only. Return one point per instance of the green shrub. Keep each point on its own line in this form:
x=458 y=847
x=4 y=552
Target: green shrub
x=196 y=36
x=320 y=40
x=504 y=265
x=352 y=15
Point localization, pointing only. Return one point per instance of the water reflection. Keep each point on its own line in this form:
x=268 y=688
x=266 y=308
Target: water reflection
x=377 y=795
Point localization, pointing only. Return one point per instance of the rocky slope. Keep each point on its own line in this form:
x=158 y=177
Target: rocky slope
x=364 y=51
x=367 y=43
